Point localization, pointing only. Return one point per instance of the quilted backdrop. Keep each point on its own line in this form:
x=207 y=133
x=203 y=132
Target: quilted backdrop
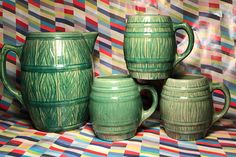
x=213 y=55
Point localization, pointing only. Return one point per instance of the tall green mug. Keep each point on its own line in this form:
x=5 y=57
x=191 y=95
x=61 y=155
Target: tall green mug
x=116 y=109
x=56 y=78
x=150 y=46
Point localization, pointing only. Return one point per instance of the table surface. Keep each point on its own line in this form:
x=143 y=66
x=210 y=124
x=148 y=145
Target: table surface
x=19 y=138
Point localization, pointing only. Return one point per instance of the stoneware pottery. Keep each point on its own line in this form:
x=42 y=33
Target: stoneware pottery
x=186 y=106
x=116 y=108
x=56 y=78
x=150 y=46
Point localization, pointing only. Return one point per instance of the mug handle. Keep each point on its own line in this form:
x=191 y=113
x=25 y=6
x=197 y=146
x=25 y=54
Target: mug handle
x=189 y=31
x=149 y=112
x=3 y=75
x=225 y=90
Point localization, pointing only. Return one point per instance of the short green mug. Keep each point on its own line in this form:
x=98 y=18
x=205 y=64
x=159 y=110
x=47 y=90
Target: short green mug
x=116 y=108
x=150 y=46
x=56 y=78
x=186 y=106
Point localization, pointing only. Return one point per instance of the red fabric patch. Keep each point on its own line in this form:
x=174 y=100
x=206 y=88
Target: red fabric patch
x=20 y=39
x=23 y=124
x=34 y=3
x=208 y=144
x=79 y=4
x=169 y=150
x=40 y=133
x=229 y=51
x=4 y=107
x=94 y=23
x=59 y=1
x=21 y=23
x=2 y=142
x=217 y=58
x=10 y=57
x=142 y=9
x=131 y=153
x=152 y=131
x=60 y=29
x=167 y=139
x=117 y=41
x=66 y=139
x=56 y=149
x=67 y=11
x=18 y=151
x=119 y=144
x=48 y=28
x=105 y=1
x=105 y=52
x=214 y=5
x=15 y=142
x=117 y=26
x=94 y=152
x=101 y=143
x=211 y=152
x=9 y=6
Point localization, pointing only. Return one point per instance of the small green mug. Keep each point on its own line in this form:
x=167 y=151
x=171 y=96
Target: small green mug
x=150 y=46
x=186 y=106
x=116 y=108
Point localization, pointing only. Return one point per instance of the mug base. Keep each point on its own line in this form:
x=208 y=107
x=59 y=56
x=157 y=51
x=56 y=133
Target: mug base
x=115 y=137
x=149 y=76
x=60 y=129
x=185 y=137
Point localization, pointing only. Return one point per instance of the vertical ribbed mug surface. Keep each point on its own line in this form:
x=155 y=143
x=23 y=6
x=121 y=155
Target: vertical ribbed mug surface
x=187 y=108
x=116 y=108
x=56 y=78
x=150 y=46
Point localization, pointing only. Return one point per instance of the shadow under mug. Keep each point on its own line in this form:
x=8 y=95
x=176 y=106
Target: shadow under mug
x=116 y=109
x=186 y=106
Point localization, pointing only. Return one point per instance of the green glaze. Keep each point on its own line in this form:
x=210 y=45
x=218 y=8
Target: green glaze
x=186 y=106
x=56 y=78
x=150 y=46
x=116 y=108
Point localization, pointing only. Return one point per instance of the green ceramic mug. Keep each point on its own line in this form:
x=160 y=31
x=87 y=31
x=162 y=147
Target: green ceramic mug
x=150 y=47
x=186 y=106
x=56 y=78
x=116 y=108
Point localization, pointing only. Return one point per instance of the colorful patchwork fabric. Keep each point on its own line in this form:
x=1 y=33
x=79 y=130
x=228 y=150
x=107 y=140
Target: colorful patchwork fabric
x=18 y=138
x=213 y=22
x=213 y=55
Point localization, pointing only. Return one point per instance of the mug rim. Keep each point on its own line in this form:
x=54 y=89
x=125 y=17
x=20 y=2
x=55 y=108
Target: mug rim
x=187 y=81
x=141 y=18
x=188 y=76
x=113 y=81
x=113 y=77
x=149 y=15
x=59 y=34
